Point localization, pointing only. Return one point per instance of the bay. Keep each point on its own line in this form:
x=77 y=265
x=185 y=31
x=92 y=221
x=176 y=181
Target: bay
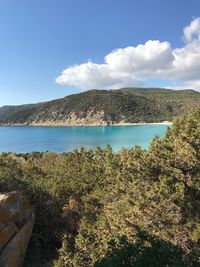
x=24 y=139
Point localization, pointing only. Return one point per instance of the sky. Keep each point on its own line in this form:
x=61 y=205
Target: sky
x=53 y=48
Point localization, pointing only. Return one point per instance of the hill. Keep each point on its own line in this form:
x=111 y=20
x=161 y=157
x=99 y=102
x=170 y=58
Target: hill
x=102 y=107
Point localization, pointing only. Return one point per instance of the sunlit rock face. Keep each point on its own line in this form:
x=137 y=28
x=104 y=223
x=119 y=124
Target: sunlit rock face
x=16 y=224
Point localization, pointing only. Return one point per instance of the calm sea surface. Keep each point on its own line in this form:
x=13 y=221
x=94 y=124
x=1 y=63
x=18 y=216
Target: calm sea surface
x=59 y=139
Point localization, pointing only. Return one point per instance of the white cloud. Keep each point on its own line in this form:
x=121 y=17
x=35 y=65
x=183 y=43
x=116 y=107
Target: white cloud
x=192 y=31
x=148 y=57
x=192 y=84
x=186 y=65
x=131 y=66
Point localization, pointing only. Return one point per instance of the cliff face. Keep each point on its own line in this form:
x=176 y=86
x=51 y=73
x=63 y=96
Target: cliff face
x=101 y=107
x=90 y=117
x=16 y=224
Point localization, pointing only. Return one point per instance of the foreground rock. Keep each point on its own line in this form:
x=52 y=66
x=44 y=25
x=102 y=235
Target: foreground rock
x=16 y=224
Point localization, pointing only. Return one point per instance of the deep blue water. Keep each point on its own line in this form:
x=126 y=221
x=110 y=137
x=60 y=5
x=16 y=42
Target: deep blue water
x=59 y=139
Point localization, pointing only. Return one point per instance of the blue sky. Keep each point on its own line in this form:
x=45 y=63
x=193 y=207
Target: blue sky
x=42 y=38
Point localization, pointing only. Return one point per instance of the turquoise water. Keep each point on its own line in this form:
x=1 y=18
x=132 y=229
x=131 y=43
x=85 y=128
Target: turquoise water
x=59 y=139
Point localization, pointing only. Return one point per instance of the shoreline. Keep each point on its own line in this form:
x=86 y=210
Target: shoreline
x=86 y=125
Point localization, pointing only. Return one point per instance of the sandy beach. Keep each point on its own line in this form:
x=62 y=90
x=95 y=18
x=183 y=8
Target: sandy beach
x=64 y=124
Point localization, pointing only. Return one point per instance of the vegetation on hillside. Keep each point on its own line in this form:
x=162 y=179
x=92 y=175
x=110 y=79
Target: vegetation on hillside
x=103 y=209
x=128 y=105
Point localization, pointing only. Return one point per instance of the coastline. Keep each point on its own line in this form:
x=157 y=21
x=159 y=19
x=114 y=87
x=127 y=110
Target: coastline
x=62 y=124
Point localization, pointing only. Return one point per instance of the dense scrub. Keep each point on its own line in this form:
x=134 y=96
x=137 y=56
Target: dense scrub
x=104 y=209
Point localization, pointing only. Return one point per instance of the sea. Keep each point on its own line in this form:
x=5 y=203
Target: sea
x=25 y=139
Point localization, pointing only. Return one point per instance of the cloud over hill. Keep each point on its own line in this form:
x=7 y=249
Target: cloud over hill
x=133 y=65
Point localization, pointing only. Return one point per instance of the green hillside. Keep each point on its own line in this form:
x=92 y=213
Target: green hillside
x=127 y=105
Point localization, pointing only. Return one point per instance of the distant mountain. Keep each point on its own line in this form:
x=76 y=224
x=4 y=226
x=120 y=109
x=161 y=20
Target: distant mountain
x=105 y=107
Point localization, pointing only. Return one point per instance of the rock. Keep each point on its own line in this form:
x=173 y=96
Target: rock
x=6 y=232
x=16 y=224
x=14 y=252
x=13 y=207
